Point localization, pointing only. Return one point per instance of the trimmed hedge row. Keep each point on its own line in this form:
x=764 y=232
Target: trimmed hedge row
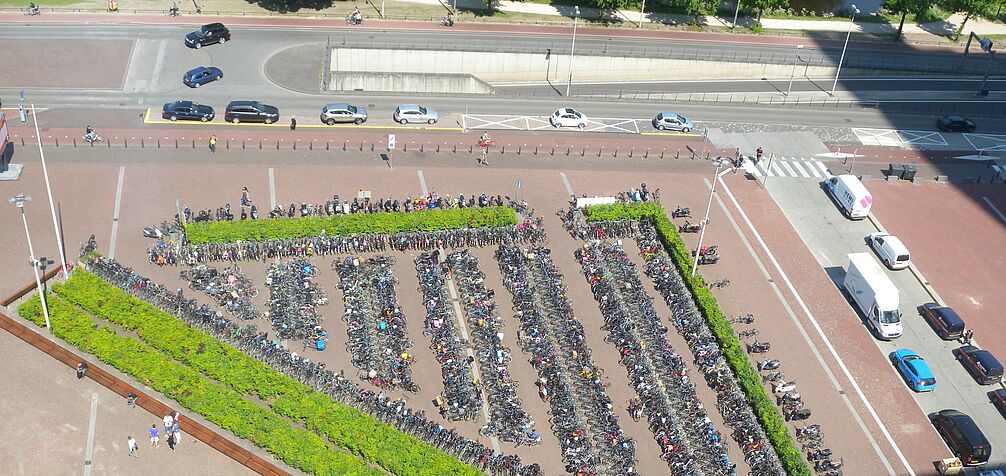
x=343 y=425
x=299 y=448
x=748 y=378
x=384 y=222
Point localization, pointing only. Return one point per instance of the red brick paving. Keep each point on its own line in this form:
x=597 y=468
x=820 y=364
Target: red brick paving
x=24 y=67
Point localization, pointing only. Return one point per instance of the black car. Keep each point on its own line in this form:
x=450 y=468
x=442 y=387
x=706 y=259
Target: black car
x=981 y=364
x=963 y=436
x=208 y=35
x=187 y=111
x=943 y=319
x=955 y=124
x=251 y=111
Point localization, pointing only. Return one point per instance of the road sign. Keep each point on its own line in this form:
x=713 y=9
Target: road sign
x=517 y=185
x=391 y=142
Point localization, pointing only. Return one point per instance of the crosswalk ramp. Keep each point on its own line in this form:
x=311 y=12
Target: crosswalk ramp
x=794 y=167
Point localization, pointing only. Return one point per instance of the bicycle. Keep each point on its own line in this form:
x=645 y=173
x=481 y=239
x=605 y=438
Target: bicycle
x=720 y=283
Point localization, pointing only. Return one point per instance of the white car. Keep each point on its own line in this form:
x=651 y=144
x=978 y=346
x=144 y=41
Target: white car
x=890 y=250
x=568 y=117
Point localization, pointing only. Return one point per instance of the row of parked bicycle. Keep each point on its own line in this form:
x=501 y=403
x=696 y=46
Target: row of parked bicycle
x=582 y=416
x=375 y=324
x=687 y=437
x=315 y=375
x=293 y=302
x=229 y=289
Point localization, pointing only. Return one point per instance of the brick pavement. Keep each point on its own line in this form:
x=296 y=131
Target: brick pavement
x=25 y=66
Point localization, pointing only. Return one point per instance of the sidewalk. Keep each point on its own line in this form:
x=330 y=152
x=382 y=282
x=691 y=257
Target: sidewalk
x=473 y=11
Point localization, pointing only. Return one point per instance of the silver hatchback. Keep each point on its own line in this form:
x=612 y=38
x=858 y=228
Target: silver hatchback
x=407 y=113
x=344 y=113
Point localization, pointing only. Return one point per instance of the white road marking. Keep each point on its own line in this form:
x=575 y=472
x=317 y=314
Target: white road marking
x=824 y=170
x=157 y=64
x=812 y=166
x=799 y=168
x=789 y=170
x=115 y=214
x=565 y=181
x=422 y=182
x=775 y=168
x=89 y=446
x=824 y=338
x=994 y=209
x=272 y=189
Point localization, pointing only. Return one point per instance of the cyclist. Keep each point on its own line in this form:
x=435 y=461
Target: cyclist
x=484 y=139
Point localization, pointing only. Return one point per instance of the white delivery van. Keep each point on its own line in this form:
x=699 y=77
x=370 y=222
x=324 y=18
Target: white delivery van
x=874 y=294
x=850 y=195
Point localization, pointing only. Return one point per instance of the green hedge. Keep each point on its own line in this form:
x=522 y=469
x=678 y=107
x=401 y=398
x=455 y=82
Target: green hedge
x=747 y=377
x=299 y=448
x=384 y=222
x=343 y=425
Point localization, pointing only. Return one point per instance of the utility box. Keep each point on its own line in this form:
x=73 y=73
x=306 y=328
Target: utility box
x=910 y=171
x=950 y=466
x=895 y=170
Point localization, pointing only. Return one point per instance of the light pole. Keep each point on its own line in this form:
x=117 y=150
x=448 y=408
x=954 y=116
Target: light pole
x=842 y=59
x=641 y=8
x=18 y=201
x=796 y=56
x=705 y=220
x=48 y=190
x=572 y=47
x=736 y=11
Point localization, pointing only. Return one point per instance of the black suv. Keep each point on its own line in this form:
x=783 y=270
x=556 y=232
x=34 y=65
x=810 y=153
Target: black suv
x=187 y=110
x=955 y=124
x=963 y=437
x=251 y=111
x=208 y=35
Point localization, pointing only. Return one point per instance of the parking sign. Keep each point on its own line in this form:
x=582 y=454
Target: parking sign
x=391 y=142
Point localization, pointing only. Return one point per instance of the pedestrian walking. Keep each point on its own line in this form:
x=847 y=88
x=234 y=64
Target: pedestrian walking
x=131 y=400
x=81 y=370
x=245 y=197
x=171 y=441
x=155 y=440
x=134 y=449
x=968 y=335
x=758 y=154
x=293 y=123
x=168 y=420
x=177 y=416
x=176 y=432
x=213 y=144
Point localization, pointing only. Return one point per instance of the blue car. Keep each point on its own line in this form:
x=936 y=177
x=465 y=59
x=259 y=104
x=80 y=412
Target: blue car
x=914 y=370
x=202 y=75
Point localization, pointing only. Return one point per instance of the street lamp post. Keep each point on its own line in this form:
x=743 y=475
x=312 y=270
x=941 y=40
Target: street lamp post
x=842 y=59
x=19 y=201
x=572 y=47
x=705 y=220
x=796 y=56
x=641 y=8
x=48 y=190
x=736 y=11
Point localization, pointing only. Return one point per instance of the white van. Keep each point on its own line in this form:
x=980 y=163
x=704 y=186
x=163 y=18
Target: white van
x=890 y=250
x=850 y=194
x=874 y=294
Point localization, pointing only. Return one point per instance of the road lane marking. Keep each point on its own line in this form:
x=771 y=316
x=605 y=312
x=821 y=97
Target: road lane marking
x=272 y=190
x=994 y=209
x=565 y=181
x=115 y=214
x=824 y=338
x=824 y=170
x=89 y=447
x=775 y=168
x=799 y=168
x=789 y=170
x=422 y=182
x=157 y=65
x=810 y=164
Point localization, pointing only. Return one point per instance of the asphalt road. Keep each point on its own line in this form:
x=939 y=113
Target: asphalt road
x=831 y=237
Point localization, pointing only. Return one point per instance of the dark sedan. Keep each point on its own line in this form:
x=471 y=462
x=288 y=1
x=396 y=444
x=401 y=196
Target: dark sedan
x=955 y=124
x=202 y=75
x=251 y=111
x=208 y=35
x=187 y=111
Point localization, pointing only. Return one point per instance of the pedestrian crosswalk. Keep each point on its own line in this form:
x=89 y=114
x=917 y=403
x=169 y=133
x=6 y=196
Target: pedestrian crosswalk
x=795 y=167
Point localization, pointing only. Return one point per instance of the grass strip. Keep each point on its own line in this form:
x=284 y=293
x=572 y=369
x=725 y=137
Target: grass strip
x=356 y=223
x=750 y=382
x=345 y=426
x=223 y=406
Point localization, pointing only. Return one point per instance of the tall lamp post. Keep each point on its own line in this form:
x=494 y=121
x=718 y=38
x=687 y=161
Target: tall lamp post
x=48 y=190
x=796 y=56
x=19 y=201
x=842 y=59
x=705 y=220
x=572 y=47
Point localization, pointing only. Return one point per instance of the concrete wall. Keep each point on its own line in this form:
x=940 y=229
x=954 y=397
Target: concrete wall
x=408 y=82
x=520 y=67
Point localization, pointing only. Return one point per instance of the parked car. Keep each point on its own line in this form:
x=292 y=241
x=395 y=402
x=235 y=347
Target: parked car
x=407 y=113
x=943 y=320
x=202 y=75
x=187 y=111
x=981 y=364
x=998 y=399
x=251 y=111
x=963 y=437
x=208 y=35
x=669 y=121
x=568 y=117
x=914 y=370
x=955 y=124
x=342 y=112
x=891 y=251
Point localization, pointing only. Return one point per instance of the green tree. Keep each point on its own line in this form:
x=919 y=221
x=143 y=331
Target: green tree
x=905 y=7
x=970 y=8
x=761 y=5
x=611 y=5
x=698 y=7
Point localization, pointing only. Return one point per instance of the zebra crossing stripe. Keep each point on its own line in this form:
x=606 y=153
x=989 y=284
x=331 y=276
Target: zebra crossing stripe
x=796 y=165
x=812 y=168
x=789 y=170
x=775 y=168
x=751 y=168
x=824 y=170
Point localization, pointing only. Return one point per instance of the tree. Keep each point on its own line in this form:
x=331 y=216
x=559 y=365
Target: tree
x=761 y=5
x=970 y=8
x=611 y=5
x=904 y=7
x=698 y=7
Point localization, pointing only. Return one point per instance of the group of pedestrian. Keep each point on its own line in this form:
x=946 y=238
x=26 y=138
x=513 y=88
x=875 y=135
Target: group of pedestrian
x=172 y=434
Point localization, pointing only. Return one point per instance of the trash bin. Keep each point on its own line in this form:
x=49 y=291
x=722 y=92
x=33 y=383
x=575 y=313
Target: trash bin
x=895 y=170
x=909 y=173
